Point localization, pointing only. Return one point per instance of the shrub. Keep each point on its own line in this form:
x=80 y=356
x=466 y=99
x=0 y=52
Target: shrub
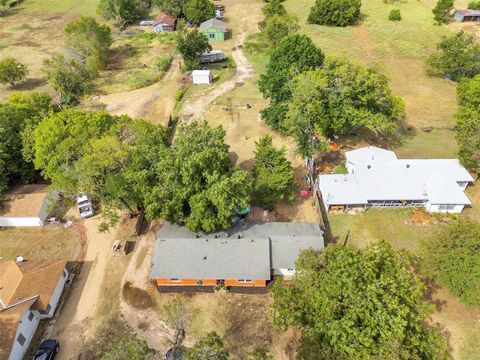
x=12 y=71
x=395 y=15
x=179 y=94
x=452 y=258
x=163 y=63
x=335 y=12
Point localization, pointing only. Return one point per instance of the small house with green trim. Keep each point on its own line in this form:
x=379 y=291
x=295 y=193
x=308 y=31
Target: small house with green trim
x=214 y=29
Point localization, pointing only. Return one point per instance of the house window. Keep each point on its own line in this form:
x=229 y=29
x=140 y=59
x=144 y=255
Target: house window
x=291 y=270
x=211 y=36
x=30 y=316
x=462 y=184
x=447 y=207
x=174 y=280
x=21 y=339
x=245 y=280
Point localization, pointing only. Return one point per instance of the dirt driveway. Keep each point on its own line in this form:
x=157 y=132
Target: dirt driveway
x=196 y=110
x=76 y=321
x=154 y=103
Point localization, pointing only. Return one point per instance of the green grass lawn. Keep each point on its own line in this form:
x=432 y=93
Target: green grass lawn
x=84 y=7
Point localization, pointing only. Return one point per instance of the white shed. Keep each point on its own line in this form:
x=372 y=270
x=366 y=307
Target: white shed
x=202 y=77
x=26 y=205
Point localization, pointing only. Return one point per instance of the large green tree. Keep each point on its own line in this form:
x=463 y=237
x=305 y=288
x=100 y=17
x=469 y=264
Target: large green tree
x=452 y=258
x=69 y=77
x=295 y=54
x=110 y=157
x=172 y=7
x=468 y=122
x=199 y=10
x=278 y=27
x=210 y=347
x=89 y=41
x=191 y=46
x=457 y=56
x=195 y=183
x=272 y=173
x=358 y=304
x=338 y=99
x=12 y=71
x=442 y=11
x=123 y=12
x=20 y=113
x=335 y=12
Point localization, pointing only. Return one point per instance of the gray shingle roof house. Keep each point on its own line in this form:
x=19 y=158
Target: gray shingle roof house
x=248 y=254
x=377 y=178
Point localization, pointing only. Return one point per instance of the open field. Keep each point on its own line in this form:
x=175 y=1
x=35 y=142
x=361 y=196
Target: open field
x=45 y=243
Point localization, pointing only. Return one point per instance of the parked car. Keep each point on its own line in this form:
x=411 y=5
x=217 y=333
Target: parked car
x=47 y=350
x=85 y=206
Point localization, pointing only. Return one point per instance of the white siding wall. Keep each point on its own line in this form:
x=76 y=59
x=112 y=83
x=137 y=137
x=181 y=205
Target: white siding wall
x=436 y=208
x=57 y=293
x=27 y=329
x=20 y=221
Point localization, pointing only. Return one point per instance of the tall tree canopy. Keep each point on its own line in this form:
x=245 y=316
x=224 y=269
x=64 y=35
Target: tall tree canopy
x=123 y=11
x=358 y=305
x=272 y=173
x=18 y=115
x=89 y=41
x=452 y=258
x=278 y=27
x=195 y=183
x=199 y=10
x=442 y=11
x=172 y=7
x=111 y=157
x=456 y=57
x=338 y=99
x=468 y=123
x=191 y=46
x=295 y=54
x=335 y=12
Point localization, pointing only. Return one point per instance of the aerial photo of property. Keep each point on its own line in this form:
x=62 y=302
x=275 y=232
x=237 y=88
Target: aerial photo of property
x=239 y=179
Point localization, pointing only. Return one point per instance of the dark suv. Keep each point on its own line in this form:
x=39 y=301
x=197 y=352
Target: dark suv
x=48 y=350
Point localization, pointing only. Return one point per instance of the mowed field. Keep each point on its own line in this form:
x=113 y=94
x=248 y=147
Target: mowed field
x=33 y=31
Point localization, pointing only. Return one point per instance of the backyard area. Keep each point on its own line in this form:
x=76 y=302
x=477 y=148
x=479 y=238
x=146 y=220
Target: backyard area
x=46 y=243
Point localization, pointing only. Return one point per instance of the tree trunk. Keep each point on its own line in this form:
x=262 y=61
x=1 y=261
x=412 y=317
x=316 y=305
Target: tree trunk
x=130 y=210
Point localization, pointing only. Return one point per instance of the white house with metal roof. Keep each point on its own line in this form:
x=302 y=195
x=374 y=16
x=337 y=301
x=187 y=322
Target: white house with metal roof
x=377 y=178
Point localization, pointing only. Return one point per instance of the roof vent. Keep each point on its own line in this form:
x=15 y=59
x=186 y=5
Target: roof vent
x=204 y=258
x=197 y=235
x=216 y=236
x=369 y=166
x=408 y=166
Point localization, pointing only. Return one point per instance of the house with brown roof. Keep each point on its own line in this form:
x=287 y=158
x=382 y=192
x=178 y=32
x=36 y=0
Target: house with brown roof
x=29 y=292
x=164 y=23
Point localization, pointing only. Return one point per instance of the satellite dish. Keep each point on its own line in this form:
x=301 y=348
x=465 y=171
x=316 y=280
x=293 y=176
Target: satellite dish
x=19 y=258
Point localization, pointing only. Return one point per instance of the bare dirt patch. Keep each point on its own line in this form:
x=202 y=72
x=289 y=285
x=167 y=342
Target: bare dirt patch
x=136 y=297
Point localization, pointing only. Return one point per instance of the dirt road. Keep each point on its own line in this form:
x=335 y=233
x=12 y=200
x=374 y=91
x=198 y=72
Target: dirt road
x=196 y=110
x=76 y=321
x=145 y=321
x=154 y=103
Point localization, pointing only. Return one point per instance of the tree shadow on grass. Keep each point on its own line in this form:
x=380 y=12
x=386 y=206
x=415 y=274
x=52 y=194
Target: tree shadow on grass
x=31 y=84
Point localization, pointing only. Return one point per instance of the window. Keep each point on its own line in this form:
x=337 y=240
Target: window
x=30 y=316
x=174 y=280
x=245 y=280
x=21 y=339
x=291 y=270
x=211 y=36
x=462 y=184
x=447 y=207
x=46 y=311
